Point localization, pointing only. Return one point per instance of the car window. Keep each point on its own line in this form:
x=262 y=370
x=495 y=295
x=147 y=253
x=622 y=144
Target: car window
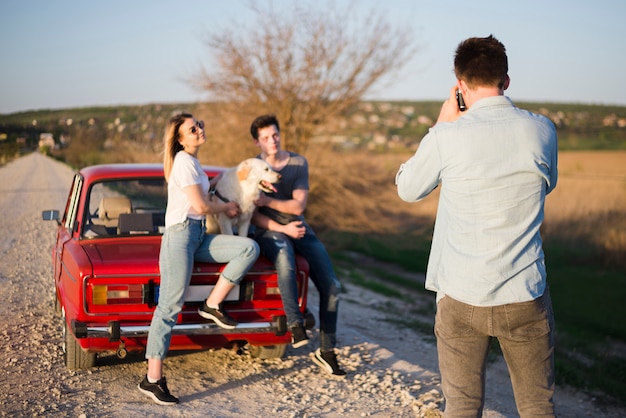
x=72 y=207
x=126 y=207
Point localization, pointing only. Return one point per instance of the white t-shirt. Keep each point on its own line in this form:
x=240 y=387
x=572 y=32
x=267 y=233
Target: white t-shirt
x=186 y=171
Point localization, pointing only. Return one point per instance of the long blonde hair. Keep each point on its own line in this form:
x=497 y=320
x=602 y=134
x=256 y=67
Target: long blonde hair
x=170 y=140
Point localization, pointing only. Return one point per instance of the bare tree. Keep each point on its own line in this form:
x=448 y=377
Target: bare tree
x=306 y=64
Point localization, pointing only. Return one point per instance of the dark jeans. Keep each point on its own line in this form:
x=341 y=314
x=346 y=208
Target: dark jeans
x=282 y=250
x=525 y=332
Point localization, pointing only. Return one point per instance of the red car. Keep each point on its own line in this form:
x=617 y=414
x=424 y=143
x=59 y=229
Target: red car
x=106 y=274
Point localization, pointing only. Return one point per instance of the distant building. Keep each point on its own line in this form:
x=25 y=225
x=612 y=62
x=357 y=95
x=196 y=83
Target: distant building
x=424 y=120
x=46 y=140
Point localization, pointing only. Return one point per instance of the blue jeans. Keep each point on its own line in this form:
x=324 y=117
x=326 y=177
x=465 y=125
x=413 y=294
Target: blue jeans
x=182 y=245
x=525 y=332
x=282 y=250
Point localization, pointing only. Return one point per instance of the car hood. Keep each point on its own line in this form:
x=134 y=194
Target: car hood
x=118 y=257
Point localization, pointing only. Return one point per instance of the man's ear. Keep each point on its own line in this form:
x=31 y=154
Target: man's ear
x=462 y=85
x=507 y=81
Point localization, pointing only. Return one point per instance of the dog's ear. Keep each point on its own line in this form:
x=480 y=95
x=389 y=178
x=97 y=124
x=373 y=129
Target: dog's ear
x=243 y=171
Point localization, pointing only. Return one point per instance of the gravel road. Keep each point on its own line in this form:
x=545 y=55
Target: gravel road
x=392 y=372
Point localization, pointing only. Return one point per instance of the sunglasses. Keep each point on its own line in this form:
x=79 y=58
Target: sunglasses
x=195 y=129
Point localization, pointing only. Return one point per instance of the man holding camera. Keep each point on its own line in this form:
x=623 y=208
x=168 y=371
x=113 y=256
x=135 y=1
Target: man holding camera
x=495 y=164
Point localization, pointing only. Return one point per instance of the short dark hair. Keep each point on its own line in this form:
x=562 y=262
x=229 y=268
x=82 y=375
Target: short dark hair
x=481 y=62
x=261 y=122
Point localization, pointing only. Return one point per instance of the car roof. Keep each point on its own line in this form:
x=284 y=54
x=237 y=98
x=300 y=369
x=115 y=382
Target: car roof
x=132 y=170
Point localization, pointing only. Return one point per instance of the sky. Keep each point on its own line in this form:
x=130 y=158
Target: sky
x=76 y=53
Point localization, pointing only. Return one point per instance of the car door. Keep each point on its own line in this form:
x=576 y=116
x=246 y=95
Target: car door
x=68 y=225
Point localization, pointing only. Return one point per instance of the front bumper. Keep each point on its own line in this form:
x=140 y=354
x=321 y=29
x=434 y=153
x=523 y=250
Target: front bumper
x=114 y=331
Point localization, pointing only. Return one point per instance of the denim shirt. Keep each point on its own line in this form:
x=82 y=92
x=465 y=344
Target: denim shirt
x=495 y=165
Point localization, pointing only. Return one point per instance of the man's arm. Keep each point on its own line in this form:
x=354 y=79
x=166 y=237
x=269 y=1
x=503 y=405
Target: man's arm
x=294 y=206
x=293 y=229
x=419 y=176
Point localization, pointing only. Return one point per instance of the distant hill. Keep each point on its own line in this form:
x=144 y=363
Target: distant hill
x=381 y=126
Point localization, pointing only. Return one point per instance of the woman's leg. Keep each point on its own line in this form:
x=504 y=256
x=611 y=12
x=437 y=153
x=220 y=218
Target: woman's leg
x=239 y=253
x=220 y=291
x=155 y=369
x=175 y=263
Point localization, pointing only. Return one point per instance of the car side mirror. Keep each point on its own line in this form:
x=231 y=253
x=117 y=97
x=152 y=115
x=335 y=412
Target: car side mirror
x=51 y=215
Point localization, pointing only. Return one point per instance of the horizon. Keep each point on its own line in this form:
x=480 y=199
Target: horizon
x=416 y=101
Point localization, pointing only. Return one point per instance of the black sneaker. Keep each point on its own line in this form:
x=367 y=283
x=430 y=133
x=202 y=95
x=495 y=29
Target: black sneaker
x=327 y=360
x=157 y=391
x=298 y=336
x=221 y=318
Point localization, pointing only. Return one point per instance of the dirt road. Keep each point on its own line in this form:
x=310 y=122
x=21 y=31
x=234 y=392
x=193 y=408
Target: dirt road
x=392 y=372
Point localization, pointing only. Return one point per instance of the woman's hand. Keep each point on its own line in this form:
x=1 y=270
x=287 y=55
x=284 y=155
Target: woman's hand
x=231 y=209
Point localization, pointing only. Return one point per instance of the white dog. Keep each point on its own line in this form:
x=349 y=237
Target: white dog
x=242 y=184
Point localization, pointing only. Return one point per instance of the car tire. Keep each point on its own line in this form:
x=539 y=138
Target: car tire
x=268 y=351
x=75 y=357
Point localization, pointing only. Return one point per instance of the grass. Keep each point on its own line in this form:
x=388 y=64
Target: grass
x=408 y=251
x=591 y=332
x=373 y=285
